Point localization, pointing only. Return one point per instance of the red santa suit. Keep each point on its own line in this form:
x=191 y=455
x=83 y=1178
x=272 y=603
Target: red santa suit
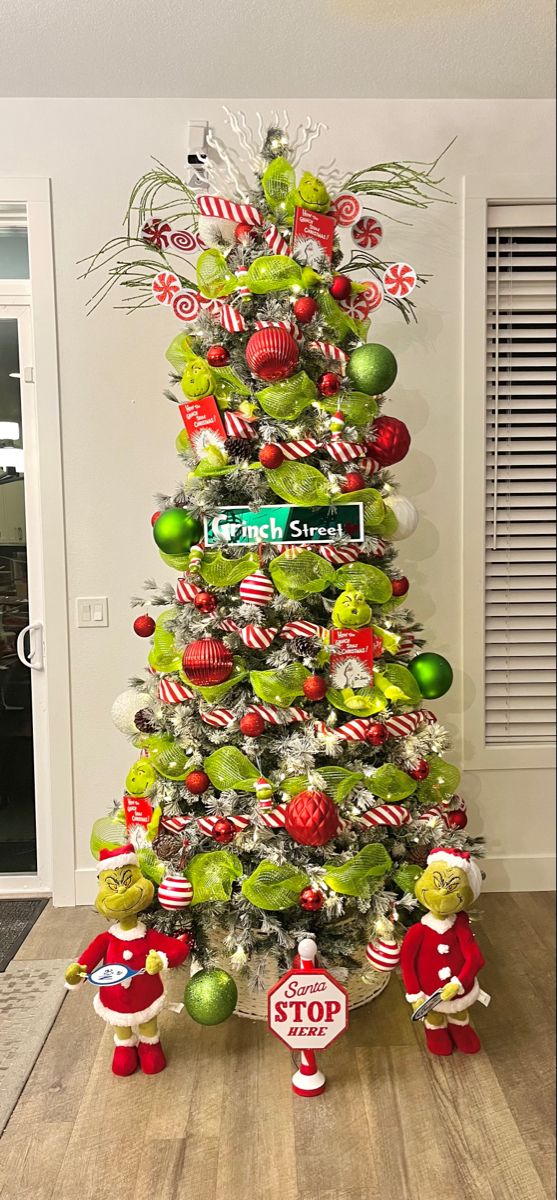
x=136 y=1000
x=439 y=951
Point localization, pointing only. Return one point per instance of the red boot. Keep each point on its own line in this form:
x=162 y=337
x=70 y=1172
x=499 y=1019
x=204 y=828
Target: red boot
x=124 y=1059
x=438 y=1040
x=151 y=1057
x=464 y=1037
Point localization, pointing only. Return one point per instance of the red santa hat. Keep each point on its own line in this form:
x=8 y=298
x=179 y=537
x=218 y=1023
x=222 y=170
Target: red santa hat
x=120 y=856
x=462 y=860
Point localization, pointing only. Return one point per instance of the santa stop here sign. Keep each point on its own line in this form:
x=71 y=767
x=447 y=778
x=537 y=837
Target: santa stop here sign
x=307 y=1009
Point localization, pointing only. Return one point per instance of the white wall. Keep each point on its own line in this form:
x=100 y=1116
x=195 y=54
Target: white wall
x=118 y=432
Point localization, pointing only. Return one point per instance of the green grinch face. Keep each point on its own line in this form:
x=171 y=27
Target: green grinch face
x=444 y=890
x=351 y=610
x=197 y=380
x=122 y=892
x=141 y=778
x=312 y=193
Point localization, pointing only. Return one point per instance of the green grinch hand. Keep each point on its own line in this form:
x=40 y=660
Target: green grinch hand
x=75 y=973
x=450 y=990
x=153 y=963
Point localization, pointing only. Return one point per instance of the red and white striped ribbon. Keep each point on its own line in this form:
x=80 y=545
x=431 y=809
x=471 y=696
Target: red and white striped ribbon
x=172 y=692
x=219 y=718
x=405 y=723
x=407 y=644
x=228 y=317
x=289 y=327
x=380 y=547
x=256 y=637
x=175 y=824
x=386 y=814
x=237 y=425
x=299 y=449
x=229 y=210
x=186 y=591
x=275 y=241
x=339 y=554
x=345 y=451
x=435 y=811
x=368 y=467
x=243 y=289
x=279 y=716
x=330 y=351
x=294 y=629
x=207 y=824
x=274 y=818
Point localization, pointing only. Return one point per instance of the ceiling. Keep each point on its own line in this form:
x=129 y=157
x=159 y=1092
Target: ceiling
x=297 y=48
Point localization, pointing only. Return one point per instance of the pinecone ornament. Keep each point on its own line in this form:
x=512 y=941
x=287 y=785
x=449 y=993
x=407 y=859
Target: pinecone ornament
x=238 y=448
x=306 y=647
x=312 y=819
x=145 y=721
x=168 y=848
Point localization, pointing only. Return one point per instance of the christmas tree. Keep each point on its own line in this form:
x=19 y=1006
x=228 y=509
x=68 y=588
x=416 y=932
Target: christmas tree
x=290 y=775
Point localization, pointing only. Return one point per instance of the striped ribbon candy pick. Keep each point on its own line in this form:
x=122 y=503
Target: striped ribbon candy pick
x=172 y=692
x=430 y=814
x=345 y=451
x=330 y=351
x=274 y=818
x=176 y=824
x=237 y=425
x=186 y=591
x=339 y=554
x=219 y=718
x=207 y=824
x=229 y=210
x=299 y=449
x=386 y=814
x=275 y=241
x=294 y=629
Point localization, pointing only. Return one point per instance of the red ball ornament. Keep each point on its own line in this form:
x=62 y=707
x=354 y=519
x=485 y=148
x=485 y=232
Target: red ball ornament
x=304 y=309
x=329 y=384
x=271 y=456
x=243 y=232
x=376 y=734
x=353 y=482
x=457 y=819
x=311 y=818
x=144 y=626
x=272 y=354
x=314 y=687
x=391 y=441
x=223 y=831
x=252 y=724
x=155 y=517
x=311 y=899
x=218 y=356
x=197 y=782
x=420 y=771
x=205 y=602
x=340 y=287
x=400 y=586
x=207 y=662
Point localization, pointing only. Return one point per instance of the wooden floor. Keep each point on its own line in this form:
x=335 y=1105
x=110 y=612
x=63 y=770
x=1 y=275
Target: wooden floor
x=222 y=1124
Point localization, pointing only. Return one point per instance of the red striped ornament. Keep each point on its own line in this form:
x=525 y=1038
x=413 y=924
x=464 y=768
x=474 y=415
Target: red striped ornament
x=330 y=351
x=237 y=425
x=386 y=814
x=207 y=824
x=384 y=954
x=256 y=637
x=228 y=317
x=339 y=554
x=279 y=716
x=186 y=591
x=345 y=451
x=275 y=241
x=256 y=589
x=274 y=818
x=172 y=692
x=175 y=892
x=294 y=629
x=219 y=718
x=228 y=210
x=429 y=814
x=175 y=824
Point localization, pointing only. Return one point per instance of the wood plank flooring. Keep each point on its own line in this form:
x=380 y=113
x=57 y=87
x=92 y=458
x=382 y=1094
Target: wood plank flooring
x=222 y=1124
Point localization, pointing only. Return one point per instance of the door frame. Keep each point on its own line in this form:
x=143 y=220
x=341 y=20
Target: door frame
x=45 y=503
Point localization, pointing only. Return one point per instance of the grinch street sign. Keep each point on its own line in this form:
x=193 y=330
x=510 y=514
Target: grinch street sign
x=288 y=524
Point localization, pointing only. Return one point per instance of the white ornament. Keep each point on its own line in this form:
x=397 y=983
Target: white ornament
x=125 y=706
x=406 y=514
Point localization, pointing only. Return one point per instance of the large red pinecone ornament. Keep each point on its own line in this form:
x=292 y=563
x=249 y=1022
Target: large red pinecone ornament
x=272 y=354
x=391 y=441
x=207 y=662
x=312 y=819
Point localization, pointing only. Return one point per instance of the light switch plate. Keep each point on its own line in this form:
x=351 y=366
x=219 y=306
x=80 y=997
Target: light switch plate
x=91 y=612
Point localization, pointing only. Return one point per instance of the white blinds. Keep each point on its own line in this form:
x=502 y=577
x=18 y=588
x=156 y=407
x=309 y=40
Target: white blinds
x=520 y=479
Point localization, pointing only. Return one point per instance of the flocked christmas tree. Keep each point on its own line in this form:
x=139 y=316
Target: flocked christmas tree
x=290 y=776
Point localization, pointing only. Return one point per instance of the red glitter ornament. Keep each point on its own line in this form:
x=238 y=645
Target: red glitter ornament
x=252 y=724
x=376 y=734
x=457 y=819
x=311 y=899
x=420 y=771
x=144 y=626
x=207 y=662
x=314 y=687
x=197 y=782
x=205 y=602
x=271 y=456
x=218 y=356
x=155 y=517
x=391 y=441
x=244 y=232
x=329 y=384
x=340 y=287
x=272 y=354
x=223 y=831
x=311 y=818
x=305 y=309
x=400 y=586
x=353 y=482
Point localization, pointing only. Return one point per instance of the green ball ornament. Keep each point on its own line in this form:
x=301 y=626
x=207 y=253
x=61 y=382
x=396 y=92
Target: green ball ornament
x=433 y=674
x=372 y=369
x=176 y=530
x=211 y=996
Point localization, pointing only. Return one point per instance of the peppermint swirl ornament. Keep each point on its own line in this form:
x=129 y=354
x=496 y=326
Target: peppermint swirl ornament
x=186 y=305
x=399 y=280
x=182 y=239
x=155 y=233
x=346 y=209
x=360 y=304
x=367 y=232
x=165 y=287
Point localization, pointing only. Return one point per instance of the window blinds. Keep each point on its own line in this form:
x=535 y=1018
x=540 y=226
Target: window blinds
x=520 y=479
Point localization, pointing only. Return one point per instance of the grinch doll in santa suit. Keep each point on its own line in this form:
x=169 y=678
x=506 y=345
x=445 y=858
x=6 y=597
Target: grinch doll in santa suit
x=131 y=1007
x=440 y=951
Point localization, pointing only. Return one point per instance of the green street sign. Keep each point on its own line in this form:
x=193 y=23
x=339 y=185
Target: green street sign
x=290 y=524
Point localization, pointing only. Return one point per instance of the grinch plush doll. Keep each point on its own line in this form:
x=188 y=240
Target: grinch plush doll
x=131 y=1007
x=441 y=953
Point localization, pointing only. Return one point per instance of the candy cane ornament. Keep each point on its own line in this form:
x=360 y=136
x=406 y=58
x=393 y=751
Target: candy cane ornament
x=229 y=210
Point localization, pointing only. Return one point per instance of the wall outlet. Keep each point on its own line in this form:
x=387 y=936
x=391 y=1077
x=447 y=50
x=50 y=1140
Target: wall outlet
x=91 y=612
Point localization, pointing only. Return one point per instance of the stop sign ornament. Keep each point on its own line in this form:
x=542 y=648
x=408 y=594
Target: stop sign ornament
x=308 y=1011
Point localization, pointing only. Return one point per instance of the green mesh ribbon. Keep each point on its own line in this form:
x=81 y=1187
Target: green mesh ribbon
x=230 y=381
x=278 y=182
x=107 y=833
x=214 y=277
x=178 y=562
x=168 y=758
x=388 y=526
x=357 y=408
x=150 y=864
x=218 y=571
x=273 y=887
x=391 y=785
x=398 y=685
x=285 y=400
x=406 y=877
x=228 y=768
x=338 y=783
x=164 y=655
x=299 y=484
x=180 y=352
x=391 y=641
x=441 y=783
x=281 y=686
x=375 y=584
x=272 y=273
x=363 y=703
x=361 y=875
x=212 y=875
x=216 y=691
x=204 y=470
x=374 y=506
x=298 y=577
x=340 y=324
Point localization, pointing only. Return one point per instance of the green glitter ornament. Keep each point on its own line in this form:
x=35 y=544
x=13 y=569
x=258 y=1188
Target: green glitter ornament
x=433 y=674
x=372 y=369
x=210 y=996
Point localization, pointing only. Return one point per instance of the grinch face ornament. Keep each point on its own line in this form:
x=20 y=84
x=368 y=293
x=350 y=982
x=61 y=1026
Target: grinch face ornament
x=351 y=610
x=198 y=379
x=312 y=193
x=141 y=778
